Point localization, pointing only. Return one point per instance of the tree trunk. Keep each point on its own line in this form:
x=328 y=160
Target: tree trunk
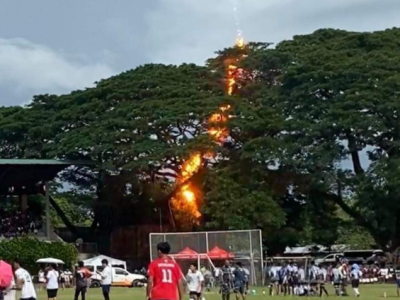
x=358 y=218
x=63 y=217
x=355 y=157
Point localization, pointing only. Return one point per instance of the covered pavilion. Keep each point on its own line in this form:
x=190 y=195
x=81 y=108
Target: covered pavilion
x=25 y=177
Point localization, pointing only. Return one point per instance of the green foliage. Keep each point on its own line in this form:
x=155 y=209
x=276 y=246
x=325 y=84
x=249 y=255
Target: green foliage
x=340 y=97
x=28 y=250
x=78 y=209
x=356 y=237
x=233 y=205
x=301 y=112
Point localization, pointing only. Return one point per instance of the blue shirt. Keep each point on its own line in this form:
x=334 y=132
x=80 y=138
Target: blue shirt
x=240 y=275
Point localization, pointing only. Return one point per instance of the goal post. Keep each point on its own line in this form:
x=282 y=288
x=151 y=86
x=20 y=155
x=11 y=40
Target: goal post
x=239 y=245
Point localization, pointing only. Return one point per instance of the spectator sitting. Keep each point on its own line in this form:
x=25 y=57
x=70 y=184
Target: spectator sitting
x=15 y=224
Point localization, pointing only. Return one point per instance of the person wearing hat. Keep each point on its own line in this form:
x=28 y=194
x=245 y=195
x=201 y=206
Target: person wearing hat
x=355 y=278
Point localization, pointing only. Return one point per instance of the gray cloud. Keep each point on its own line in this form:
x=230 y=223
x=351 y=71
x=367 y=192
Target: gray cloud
x=30 y=68
x=79 y=42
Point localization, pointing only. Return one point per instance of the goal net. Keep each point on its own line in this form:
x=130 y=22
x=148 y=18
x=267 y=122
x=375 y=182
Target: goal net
x=210 y=249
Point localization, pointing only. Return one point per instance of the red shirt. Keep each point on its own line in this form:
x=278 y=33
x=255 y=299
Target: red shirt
x=166 y=275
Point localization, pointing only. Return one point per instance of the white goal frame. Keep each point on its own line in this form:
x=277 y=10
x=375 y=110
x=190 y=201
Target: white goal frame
x=245 y=245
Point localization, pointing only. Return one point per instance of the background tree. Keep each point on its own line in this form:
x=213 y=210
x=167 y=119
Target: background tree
x=339 y=95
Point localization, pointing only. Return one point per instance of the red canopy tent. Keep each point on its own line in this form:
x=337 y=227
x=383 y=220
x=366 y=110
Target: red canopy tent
x=218 y=253
x=187 y=253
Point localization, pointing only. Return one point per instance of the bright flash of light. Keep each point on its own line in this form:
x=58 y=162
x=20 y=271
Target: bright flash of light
x=219 y=134
x=188 y=195
x=240 y=42
x=191 y=166
x=217 y=118
x=225 y=107
x=185 y=199
x=231 y=78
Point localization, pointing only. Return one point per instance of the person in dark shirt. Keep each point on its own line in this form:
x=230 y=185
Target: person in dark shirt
x=226 y=279
x=397 y=280
x=239 y=281
x=82 y=274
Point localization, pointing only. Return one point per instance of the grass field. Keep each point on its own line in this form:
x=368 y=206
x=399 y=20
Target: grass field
x=368 y=292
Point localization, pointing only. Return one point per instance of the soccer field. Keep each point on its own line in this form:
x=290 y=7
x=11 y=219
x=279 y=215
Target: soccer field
x=369 y=292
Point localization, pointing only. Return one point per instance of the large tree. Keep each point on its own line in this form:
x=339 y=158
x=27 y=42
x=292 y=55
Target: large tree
x=340 y=98
x=300 y=112
x=137 y=128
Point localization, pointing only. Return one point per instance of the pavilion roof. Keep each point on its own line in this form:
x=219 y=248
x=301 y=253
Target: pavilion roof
x=25 y=176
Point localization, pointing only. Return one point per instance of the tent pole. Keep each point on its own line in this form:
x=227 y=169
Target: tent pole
x=210 y=261
x=183 y=276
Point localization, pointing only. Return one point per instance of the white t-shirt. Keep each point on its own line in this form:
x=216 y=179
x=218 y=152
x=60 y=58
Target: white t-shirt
x=194 y=281
x=28 y=290
x=52 y=280
x=302 y=275
x=384 y=272
x=106 y=276
x=216 y=272
x=41 y=277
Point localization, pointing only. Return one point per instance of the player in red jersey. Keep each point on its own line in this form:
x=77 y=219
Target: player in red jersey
x=165 y=277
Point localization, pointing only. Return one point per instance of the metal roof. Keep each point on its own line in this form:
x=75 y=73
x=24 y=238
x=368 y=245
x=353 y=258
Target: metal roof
x=26 y=176
x=42 y=162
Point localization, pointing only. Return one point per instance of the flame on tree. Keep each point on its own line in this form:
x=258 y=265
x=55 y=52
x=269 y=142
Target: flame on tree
x=188 y=199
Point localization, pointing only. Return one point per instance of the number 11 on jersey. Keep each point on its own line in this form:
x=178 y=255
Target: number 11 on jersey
x=167 y=276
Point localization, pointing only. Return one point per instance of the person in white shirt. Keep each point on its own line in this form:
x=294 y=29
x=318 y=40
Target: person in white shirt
x=52 y=282
x=42 y=279
x=195 y=282
x=24 y=282
x=302 y=274
x=106 y=279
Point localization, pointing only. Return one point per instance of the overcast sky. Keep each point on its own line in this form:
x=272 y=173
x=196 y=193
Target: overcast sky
x=49 y=46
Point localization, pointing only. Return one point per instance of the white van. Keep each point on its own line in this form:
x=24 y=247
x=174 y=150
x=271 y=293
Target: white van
x=120 y=277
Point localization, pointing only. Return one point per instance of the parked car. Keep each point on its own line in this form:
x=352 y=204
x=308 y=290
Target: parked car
x=120 y=277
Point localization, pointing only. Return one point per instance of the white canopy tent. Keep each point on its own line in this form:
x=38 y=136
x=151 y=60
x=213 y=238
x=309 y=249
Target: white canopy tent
x=50 y=260
x=96 y=261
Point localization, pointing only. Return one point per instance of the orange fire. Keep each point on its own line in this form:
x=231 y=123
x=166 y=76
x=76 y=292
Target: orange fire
x=190 y=167
x=240 y=42
x=188 y=194
x=231 y=78
x=186 y=199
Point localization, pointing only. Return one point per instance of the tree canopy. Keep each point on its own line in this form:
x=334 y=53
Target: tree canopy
x=313 y=128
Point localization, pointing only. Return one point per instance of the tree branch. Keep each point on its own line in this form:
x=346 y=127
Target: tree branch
x=354 y=155
x=167 y=173
x=63 y=217
x=358 y=218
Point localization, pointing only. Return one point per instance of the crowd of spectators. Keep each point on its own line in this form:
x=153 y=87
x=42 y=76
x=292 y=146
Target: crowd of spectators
x=14 y=223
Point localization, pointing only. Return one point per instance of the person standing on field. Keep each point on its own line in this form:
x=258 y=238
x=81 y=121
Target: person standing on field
x=165 y=277
x=195 y=282
x=355 y=279
x=24 y=282
x=226 y=280
x=52 y=282
x=239 y=287
x=106 y=279
x=82 y=274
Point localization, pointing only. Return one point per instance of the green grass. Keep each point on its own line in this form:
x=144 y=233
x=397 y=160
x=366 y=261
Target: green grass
x=368 y=292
